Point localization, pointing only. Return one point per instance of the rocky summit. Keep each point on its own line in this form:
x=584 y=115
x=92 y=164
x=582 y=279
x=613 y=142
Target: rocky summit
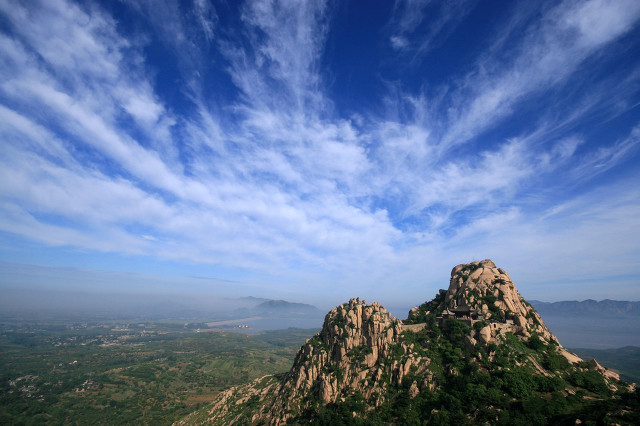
x=481 y=293
x=476 y=353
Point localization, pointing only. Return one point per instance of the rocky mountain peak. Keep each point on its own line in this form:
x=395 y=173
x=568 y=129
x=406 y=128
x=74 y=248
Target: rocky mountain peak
x=480 y=291
x=358 y=324
x=367 y=362
x=482 y=285
x=358 y=349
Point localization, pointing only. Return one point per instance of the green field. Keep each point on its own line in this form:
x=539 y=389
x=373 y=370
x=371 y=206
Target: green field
x=112 y=373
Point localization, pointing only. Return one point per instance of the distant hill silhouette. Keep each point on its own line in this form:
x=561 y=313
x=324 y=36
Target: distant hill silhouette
x=588 y=307
x=252 y=299
x=276 y=307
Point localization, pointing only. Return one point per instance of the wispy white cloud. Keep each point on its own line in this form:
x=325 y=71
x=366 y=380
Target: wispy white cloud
x=205 y=14
x=409 y=16
x=549 y=54
x=607 y=156
x=272 y=179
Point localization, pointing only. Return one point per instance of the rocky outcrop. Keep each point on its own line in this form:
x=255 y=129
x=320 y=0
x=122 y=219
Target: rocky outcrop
x=489 y=290
x=606 y=372
x=359 y=348
x=228 y=407
x=362 y=350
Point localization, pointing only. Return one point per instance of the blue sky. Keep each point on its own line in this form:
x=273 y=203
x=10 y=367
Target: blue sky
x=317 y=151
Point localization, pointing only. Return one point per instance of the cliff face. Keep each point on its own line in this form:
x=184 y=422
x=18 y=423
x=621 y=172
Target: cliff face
x=355 y=338
x=478 y=334
x=489 y=291
x=359 y=349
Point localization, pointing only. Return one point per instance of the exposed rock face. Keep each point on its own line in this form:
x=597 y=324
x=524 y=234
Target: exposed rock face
x=362 y=350
x=359 y=348
x=484 y=335
x=489 y=289
x=221 y=411
x=607 y=373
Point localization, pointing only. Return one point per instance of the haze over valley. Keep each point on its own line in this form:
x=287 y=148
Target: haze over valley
x=248 y=211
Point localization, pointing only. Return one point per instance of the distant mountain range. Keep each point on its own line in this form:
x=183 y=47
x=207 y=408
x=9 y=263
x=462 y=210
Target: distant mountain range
x=608 y=308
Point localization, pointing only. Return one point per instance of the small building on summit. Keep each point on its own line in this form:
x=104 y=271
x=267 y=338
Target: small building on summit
x=466 y=314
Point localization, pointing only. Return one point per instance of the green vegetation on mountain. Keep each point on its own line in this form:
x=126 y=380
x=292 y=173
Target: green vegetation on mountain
x=477 y=353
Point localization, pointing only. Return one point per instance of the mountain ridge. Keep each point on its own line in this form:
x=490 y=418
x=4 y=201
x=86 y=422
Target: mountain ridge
x=589 y=307
x=479 y=337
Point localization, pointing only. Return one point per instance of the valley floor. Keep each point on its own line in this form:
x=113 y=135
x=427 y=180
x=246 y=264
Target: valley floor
x=116 y=373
